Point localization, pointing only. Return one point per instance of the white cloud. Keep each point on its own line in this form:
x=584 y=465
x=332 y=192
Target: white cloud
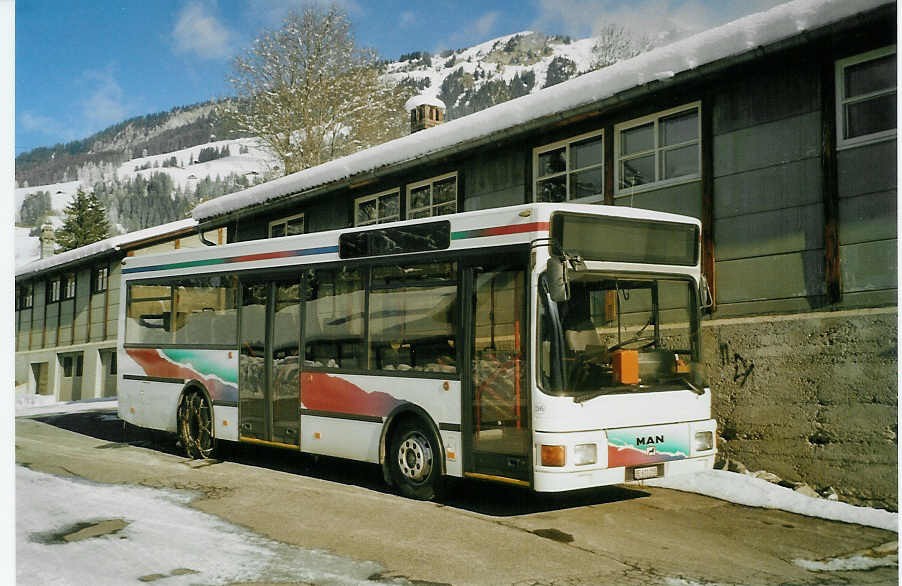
x=199 y=32
x=407 y=19
x=100 y=102
x=271 y=13
x=105 y=102
x=674 y=18
x=481 y=29
x=38 y=123
x=485 y=24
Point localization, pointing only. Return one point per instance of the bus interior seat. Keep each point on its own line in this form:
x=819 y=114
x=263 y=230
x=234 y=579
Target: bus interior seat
x=582 y=336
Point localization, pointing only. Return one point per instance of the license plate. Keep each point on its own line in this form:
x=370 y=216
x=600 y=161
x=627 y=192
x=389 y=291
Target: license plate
x=645 y=472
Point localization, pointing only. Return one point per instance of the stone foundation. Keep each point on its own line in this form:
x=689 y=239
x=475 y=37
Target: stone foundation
x=811 y=398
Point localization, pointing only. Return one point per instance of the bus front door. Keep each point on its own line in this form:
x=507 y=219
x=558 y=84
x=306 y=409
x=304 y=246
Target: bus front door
x=496 y=405
x=269 y=365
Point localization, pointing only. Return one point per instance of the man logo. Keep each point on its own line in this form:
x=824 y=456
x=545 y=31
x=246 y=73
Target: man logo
x=649 y=443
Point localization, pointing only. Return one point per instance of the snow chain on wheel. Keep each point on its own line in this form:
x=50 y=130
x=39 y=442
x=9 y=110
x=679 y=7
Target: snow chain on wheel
x=195 y=421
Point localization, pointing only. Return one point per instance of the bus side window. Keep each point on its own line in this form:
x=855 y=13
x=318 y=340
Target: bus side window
x=333 y=318
x=413 y=318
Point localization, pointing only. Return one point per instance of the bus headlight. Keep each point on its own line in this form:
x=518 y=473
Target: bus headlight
x=704 y=441
x=585 y=454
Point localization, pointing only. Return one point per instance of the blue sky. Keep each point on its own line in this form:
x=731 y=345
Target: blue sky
x=81 y=66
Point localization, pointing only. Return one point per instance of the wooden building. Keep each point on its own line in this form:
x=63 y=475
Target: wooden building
x=67 y=310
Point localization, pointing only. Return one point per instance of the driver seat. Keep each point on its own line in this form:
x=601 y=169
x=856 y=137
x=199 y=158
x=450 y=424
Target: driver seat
x=581 y=336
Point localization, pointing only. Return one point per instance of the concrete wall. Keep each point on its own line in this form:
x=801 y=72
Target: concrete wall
x=810 y=397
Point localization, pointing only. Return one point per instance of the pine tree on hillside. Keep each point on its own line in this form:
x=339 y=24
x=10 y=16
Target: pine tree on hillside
x=35 y=208
x=85 y=222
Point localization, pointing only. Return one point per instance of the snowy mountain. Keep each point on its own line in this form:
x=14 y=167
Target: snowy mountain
x=153 y=169
x=472 y=79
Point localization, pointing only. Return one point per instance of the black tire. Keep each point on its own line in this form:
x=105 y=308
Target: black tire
x=195 y=426
x=413 y=461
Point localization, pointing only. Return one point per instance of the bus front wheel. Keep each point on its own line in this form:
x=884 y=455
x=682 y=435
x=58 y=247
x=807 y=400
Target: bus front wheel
x=413 y=461
x=195 y=424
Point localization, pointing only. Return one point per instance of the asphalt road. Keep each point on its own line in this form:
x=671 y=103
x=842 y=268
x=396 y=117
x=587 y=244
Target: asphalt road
x=478 y=533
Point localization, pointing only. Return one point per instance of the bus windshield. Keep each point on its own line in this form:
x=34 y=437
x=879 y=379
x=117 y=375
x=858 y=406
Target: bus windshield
x=619 y=335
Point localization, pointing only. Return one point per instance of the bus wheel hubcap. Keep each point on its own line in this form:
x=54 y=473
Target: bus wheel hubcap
x=415 y=457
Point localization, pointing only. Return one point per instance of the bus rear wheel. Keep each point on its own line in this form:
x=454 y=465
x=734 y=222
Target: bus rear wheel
x=195 y=426
x=413 y=461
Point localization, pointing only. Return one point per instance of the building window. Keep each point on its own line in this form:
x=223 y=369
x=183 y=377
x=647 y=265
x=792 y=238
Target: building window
x=24 y=296
x=866 y=97
x=67 y=366
x=53 y=290
x=377 y=209
x=290 y=226
x=100 y=277
x=657 y=150
x=68 y=286
x=571 y=169
x=432 y=197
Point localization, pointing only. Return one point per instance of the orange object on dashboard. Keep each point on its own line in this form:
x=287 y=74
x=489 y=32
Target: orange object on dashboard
x=626 y=366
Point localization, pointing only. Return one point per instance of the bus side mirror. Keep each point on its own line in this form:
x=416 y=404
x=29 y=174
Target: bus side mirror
x=705 y=293
x=558 y=284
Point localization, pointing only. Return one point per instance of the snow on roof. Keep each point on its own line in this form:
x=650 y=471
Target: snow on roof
x=423 y=99
x=729 y=40
x=106 y=245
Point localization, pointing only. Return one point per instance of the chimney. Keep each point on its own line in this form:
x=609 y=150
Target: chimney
x=425 y=112
x=48 y=241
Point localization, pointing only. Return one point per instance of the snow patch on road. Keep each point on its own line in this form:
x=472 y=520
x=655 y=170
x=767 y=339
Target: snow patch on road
x=848 y=564
x=157 y=537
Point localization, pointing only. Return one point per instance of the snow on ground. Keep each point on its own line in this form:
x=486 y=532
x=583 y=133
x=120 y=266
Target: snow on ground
x=756 y=492
x=28 y=248
x=114 y=535
x=28 y=405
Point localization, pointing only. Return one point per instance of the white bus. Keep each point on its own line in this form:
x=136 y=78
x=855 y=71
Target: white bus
x=550 y=346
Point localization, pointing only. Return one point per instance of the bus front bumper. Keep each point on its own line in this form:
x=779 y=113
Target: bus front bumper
x=575 y=480
x=584 y=459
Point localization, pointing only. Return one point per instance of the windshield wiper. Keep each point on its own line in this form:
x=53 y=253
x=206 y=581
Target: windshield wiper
x=589 y=395
x=692 y=387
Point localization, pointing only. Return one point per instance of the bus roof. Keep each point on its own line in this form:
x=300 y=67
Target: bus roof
x=495 y=227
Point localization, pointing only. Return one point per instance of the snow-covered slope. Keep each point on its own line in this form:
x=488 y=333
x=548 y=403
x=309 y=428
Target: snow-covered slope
x=498 y=60
x=247 y=157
